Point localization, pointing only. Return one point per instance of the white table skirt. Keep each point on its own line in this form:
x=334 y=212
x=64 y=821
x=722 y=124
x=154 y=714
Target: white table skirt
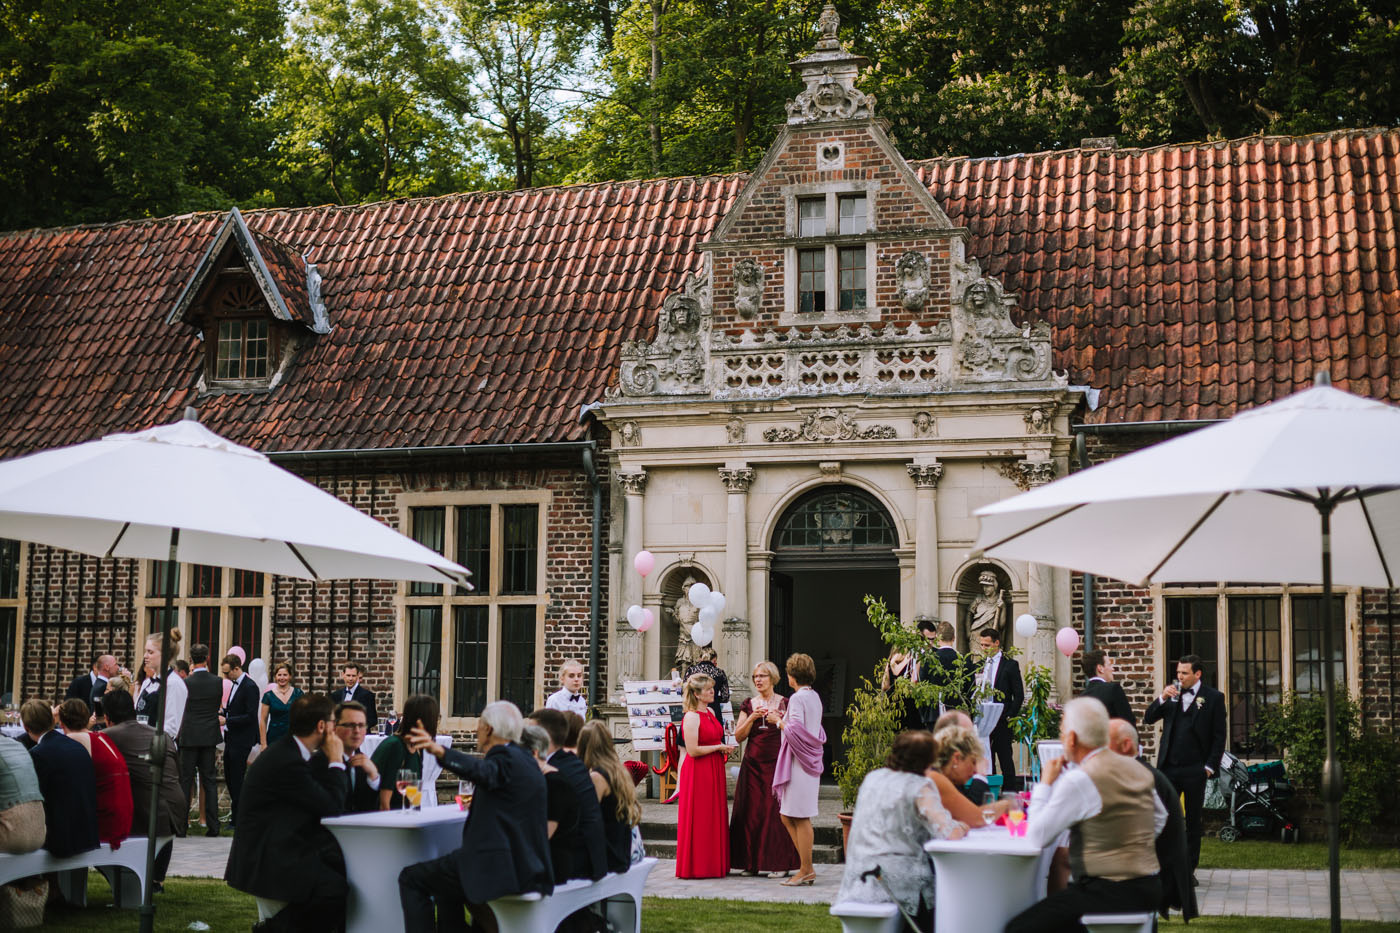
x=377 y=847
x=431 y=766
x=986 y=878
x=12 y=731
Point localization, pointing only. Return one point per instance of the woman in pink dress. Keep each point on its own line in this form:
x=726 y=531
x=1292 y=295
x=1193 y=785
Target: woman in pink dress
x=757 y=840
x=702 y=843
x=797 y=776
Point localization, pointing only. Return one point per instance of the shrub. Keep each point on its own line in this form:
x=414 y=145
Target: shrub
x=872 y=721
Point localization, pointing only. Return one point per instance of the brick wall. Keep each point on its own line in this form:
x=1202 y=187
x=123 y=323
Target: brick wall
x=1380 y=673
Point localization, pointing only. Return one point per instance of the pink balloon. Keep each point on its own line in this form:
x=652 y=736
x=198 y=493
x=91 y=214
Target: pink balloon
x=648 y=618
x=242 y=656
x=644 y=562
x=1067 y=640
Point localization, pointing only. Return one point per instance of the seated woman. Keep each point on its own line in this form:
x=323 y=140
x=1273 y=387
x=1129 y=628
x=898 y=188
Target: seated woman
x=897 y=811
x=21 y=804
x=114 y=803
x=959 y=748
x=561 y=810
x=617 y=794
x=392 y=756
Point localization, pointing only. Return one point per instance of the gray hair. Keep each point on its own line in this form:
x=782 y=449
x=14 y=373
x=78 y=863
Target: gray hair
x=534 y=740
x=1087 y=718
x=504 y=718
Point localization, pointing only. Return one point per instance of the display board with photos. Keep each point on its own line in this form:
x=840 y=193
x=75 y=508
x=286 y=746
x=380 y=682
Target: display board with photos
x=652 y=705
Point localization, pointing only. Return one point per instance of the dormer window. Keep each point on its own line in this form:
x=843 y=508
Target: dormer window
x=828 y=278
x=240 y=348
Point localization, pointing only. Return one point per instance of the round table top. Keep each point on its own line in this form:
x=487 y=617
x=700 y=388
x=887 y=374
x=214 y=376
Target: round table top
x=990 y=840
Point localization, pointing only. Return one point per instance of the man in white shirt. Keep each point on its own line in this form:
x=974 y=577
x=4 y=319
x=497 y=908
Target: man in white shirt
x=173 y=685
x=1108 y=804
x=569 y=697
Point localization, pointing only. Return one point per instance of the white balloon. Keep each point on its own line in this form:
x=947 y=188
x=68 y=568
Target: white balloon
x=257 y=669
x=1026 y=625
x=717 y=601
x=634 y=616
x=701 y=635
x=709 y=616
x=699 y=594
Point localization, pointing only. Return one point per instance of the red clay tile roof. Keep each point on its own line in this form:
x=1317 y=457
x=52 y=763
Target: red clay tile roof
x=1184 y=281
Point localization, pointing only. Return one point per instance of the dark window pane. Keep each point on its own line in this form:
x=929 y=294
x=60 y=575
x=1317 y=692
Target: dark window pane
x=469 y=659
x=154 y=618
x=204 y=628
x=1191 y=630
x=840 y=520
x=9 y=569
x=161 y=573
x=246 y=627
x=230 y=350
x=9 y=645
x=811 y=281
x=520 y=525
x=852 y=209
x=474 y=546
x=428 y=528
x=247 y=584
x=852 y=278
x=1256 y=668
x=518 y=655
x=1307 y=643
x=424 y=649
x=255 y=349
x=204 y=581
x=811 y=217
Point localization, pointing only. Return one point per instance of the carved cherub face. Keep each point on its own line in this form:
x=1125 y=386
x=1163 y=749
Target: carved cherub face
x=922 y=421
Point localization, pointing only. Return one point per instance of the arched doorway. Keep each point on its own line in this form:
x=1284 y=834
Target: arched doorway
x=831 y=547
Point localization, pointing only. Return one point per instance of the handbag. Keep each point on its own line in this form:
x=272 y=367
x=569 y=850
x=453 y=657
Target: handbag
x=22 y=908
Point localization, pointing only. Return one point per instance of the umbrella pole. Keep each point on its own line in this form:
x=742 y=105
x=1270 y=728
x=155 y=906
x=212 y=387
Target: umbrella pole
x=1331 y=769
x=159 y=741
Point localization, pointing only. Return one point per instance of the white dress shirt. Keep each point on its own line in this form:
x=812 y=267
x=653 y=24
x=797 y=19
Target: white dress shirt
x=1072 y=799
x=566 y=702
x=176 y=693
x=989 y=670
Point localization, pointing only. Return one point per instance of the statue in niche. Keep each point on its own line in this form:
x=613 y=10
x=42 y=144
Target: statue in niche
x=988 y=610
x=686 y=615
x=748 y=287
x=912 y=271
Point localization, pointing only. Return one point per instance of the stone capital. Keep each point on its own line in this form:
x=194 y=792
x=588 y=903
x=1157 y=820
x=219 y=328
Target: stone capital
x=925 y=475
x=633 y=484
x=736 y=480
x=1035 y=473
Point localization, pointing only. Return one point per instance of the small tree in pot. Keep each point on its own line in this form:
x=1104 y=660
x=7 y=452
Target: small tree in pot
x=872 y=721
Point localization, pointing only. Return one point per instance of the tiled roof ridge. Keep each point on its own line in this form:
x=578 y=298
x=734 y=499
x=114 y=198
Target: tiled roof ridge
x=1366 y=131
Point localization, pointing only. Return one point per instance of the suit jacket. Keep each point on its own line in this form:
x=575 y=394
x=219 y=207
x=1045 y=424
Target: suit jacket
x=363 y=696
x=69 y=785
x=280 y=849
x=942 y=671
x=241 y=713
x=590 y=814
x=1198 y=734
x=133 y=740
x=83 y=688
x=505 y=845
x=200 y=726
x=359 y=796
x=1173 y=857
x=1013 y=694
x=1111 y=695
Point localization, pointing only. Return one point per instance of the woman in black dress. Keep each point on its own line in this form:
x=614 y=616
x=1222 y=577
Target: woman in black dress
x=617 y=793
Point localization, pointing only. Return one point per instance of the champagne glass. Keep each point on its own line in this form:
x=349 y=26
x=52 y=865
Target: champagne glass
x=989 y=809
x=406 y=779
x=465 y=791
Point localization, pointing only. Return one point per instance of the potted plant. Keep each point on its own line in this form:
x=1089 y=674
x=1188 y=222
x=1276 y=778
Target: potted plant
x=872 y=722
x=1040 y=718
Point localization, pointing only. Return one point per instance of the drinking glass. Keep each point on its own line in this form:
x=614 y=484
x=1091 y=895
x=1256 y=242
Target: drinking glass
x=405 y=780
x=989 y=812
x=465 y=791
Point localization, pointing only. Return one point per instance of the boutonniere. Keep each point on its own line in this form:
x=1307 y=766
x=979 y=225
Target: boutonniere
x=1200 y=701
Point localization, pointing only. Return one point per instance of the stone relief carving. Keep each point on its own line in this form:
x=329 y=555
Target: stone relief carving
x=829 y=75
x=830 y=470
x=1033 y=473
x=735 y=430
x=633 y=484
x=924 y=425
x=677 y=361
x=911 y=270
x=748 y=287
x=1038 y=420
x=987 y=347
x=736 y=480
x=629 y=434
x=828 y=425
x=925 y=475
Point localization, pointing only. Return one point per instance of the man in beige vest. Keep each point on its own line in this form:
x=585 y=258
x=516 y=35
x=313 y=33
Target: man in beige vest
x=1108 y=804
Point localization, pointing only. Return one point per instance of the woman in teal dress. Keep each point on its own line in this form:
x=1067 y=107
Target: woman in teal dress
x=274 y=721
x=393 y=756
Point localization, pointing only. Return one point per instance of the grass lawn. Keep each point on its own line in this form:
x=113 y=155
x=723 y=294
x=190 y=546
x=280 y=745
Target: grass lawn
x=227 y=911
x=1262 y=853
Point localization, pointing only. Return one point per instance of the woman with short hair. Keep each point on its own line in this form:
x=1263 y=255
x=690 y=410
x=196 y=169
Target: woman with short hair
x=797 y=774
x=959 y=749
x=702 y=843
x=757 y=840
x=114 y=804
x=393 y=756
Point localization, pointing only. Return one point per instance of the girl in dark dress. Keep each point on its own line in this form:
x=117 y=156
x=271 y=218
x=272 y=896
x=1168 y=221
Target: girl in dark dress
x=617 y=793
x=393 y=756
x=757 y=840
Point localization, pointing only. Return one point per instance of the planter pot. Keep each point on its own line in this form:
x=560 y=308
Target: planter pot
x=845 y=819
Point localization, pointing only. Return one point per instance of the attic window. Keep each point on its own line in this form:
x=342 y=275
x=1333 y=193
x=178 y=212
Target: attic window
x=831 y=260
x=241 y=351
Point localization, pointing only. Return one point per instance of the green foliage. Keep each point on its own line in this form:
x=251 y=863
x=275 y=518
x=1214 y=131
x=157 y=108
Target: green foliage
x=958 y=692
x=872 y=721
x=1039 y=719
x=1368 y=760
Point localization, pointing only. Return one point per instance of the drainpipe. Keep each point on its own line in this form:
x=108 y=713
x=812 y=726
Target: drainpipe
x=1081 y=453
x=590 y=469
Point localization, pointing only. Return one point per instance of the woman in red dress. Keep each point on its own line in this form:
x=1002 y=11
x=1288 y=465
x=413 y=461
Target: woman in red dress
x=114 y=803
x=702 y=843
x=757 y=840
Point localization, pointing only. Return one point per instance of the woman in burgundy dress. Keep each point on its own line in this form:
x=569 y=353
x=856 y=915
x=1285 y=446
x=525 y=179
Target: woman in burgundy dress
x=757 y=840
x=702 y=843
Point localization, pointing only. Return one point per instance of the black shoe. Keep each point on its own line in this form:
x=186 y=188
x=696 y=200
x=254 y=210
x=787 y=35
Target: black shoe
x=211 y=833
x=157 y=887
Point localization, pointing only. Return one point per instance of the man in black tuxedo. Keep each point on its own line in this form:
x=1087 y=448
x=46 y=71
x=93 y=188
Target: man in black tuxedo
x=356 y=692
x=352 y=726
x=943 y=670
x=505 y=843
x=1004 y=676
x=280 y=849
x=133 y=740
x=66 y=780
x=200 y=735
x=1193 y=739
x=240 y=720
x=1099 y=684
x=89 y=687
x=590 y=815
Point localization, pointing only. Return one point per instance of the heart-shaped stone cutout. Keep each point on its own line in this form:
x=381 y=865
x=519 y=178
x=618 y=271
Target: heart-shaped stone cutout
x=831 y=153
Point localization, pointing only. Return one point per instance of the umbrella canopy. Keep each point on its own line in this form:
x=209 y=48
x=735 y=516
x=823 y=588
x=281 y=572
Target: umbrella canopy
x=121 y=496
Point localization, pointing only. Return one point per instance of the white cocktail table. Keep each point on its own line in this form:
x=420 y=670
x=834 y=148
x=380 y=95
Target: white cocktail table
x=377 y=846
x=986 y=878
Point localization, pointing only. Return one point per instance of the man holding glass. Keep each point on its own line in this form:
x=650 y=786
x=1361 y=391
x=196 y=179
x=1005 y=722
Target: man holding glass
x=352 y=725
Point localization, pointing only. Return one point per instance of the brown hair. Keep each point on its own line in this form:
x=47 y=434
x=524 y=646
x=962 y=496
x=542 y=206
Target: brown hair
x=553 y=722
x=74 y=714
x=37 y=716
x=575 y=727
x=913 y=751
x=287 y=665
x=954 y=740
x=599 y=753
x=801 y=668
x=946 y=632
x=419 y=707
x=1089 y=664
x=695 y=685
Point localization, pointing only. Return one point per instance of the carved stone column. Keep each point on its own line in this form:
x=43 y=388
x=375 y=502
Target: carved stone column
x=734 y=646
x=926 y=477
x=629 y=641
x=1040 y=592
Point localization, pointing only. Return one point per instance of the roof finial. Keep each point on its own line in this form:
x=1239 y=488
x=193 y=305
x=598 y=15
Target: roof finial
x=1322 y=378
x=191 y=414
x=829 y=23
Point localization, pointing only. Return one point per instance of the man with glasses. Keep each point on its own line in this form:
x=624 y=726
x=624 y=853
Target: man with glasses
x=352 y=724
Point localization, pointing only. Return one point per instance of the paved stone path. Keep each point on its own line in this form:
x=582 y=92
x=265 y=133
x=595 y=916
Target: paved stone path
x=1366 y=895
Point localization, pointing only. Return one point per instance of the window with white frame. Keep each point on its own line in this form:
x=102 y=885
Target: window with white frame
x=215 y=606
x=9 y=617
x=469 y=647
x=829 y=276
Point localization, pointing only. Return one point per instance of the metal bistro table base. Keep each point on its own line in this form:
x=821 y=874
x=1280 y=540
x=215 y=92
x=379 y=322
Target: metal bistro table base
x=985 y=879
x=377 y=847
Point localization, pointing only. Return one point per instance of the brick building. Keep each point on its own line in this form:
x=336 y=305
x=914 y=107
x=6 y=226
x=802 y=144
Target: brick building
x=795 y=385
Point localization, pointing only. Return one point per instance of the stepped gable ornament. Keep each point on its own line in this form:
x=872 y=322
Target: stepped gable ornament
x=987 y=346
x=677 y=361
x=829 y=425
x=829 y=75
x=748 y=287
x=911 y=271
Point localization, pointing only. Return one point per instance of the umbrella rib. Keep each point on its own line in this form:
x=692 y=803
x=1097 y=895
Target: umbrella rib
x=293 y=548
x=1375 y=539
x=1187 y=537
x=121 y=534
x=1025 y=531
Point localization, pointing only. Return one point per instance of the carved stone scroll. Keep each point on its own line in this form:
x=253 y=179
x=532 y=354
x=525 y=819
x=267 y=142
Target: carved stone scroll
x=829 y=425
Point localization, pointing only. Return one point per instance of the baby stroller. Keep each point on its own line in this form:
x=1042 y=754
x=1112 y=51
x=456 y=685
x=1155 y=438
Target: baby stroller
x=1255 y=793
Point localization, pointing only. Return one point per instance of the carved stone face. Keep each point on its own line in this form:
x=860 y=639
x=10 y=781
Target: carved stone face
x=922 y=422
x=830 y=95
x=977 y=296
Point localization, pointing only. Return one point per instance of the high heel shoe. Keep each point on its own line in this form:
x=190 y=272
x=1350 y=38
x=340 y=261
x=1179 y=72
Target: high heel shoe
x=797 y=881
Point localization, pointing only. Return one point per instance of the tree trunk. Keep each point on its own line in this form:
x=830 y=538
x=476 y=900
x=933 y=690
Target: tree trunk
x=654 y=126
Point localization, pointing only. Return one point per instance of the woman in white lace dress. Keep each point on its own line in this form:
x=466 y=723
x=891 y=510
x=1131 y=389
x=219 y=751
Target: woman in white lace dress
x=897 y=811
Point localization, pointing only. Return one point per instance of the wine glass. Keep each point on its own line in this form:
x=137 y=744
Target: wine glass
x=989 y=808
x=407 y=778
x=465 y=791
x=1015 y=813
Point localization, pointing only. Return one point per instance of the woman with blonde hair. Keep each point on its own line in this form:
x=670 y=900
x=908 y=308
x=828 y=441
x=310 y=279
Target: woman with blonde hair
x=757 y=840
x=959 y=749
x=162 y=687
x=702 y=843
x=797 y=775
x=617 y=795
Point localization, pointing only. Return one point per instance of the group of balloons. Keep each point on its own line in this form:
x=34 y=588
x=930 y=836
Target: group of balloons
x=710 y=603
x=1066 y=639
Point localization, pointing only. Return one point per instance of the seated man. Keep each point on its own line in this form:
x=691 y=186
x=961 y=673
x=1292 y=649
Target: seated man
x=21 y=803
x=594 y=861
x=352 y=725
x=1113 y=817
x=505 y=845
x=133 y=739
x=67 y=781
x=281 y=852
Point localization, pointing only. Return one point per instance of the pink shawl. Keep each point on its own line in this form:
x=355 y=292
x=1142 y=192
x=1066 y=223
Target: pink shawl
x=798 y=743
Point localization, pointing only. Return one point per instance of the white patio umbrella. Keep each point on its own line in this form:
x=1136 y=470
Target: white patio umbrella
x=1274 y=493
x=183 y=493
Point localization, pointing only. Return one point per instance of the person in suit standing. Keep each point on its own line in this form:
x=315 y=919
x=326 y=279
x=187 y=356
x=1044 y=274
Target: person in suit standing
x=355 y=691
x=1099 y=684
x=1193 y=739
x=240 y=721
x=66 y=780
x=1003 y=675
x=590 y=813
x=942 y=670
x=200 y=734
x=280 y=850
x=505 y=841
x=133 y=740
x=89 y=687
x=352 y=725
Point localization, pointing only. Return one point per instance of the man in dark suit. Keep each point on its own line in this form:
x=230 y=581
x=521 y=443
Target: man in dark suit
x=1193 y=739
x=280 y=849
x=1004 y=676
x=89 y=687
x=590 y=815
x=356 y=692
x=1172 y=857
x=133 y=740
x=352 y=726
x=943 y=670
x=66 y=780
x=200 y=734
x=240 y=720
x=505 y=844
x=1099 y=684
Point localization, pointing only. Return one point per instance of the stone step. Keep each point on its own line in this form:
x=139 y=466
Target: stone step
x=660 y=831
x=666 y=848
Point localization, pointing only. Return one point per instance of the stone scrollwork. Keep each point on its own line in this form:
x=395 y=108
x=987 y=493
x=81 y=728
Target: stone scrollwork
x=830 y=99
x=987 y=346
x=748 y=287
x=911 y=270
x=736 y=480
x=829 y=425
x=677 y=361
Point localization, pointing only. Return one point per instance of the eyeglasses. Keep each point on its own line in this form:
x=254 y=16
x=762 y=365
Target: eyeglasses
x=352 y=725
